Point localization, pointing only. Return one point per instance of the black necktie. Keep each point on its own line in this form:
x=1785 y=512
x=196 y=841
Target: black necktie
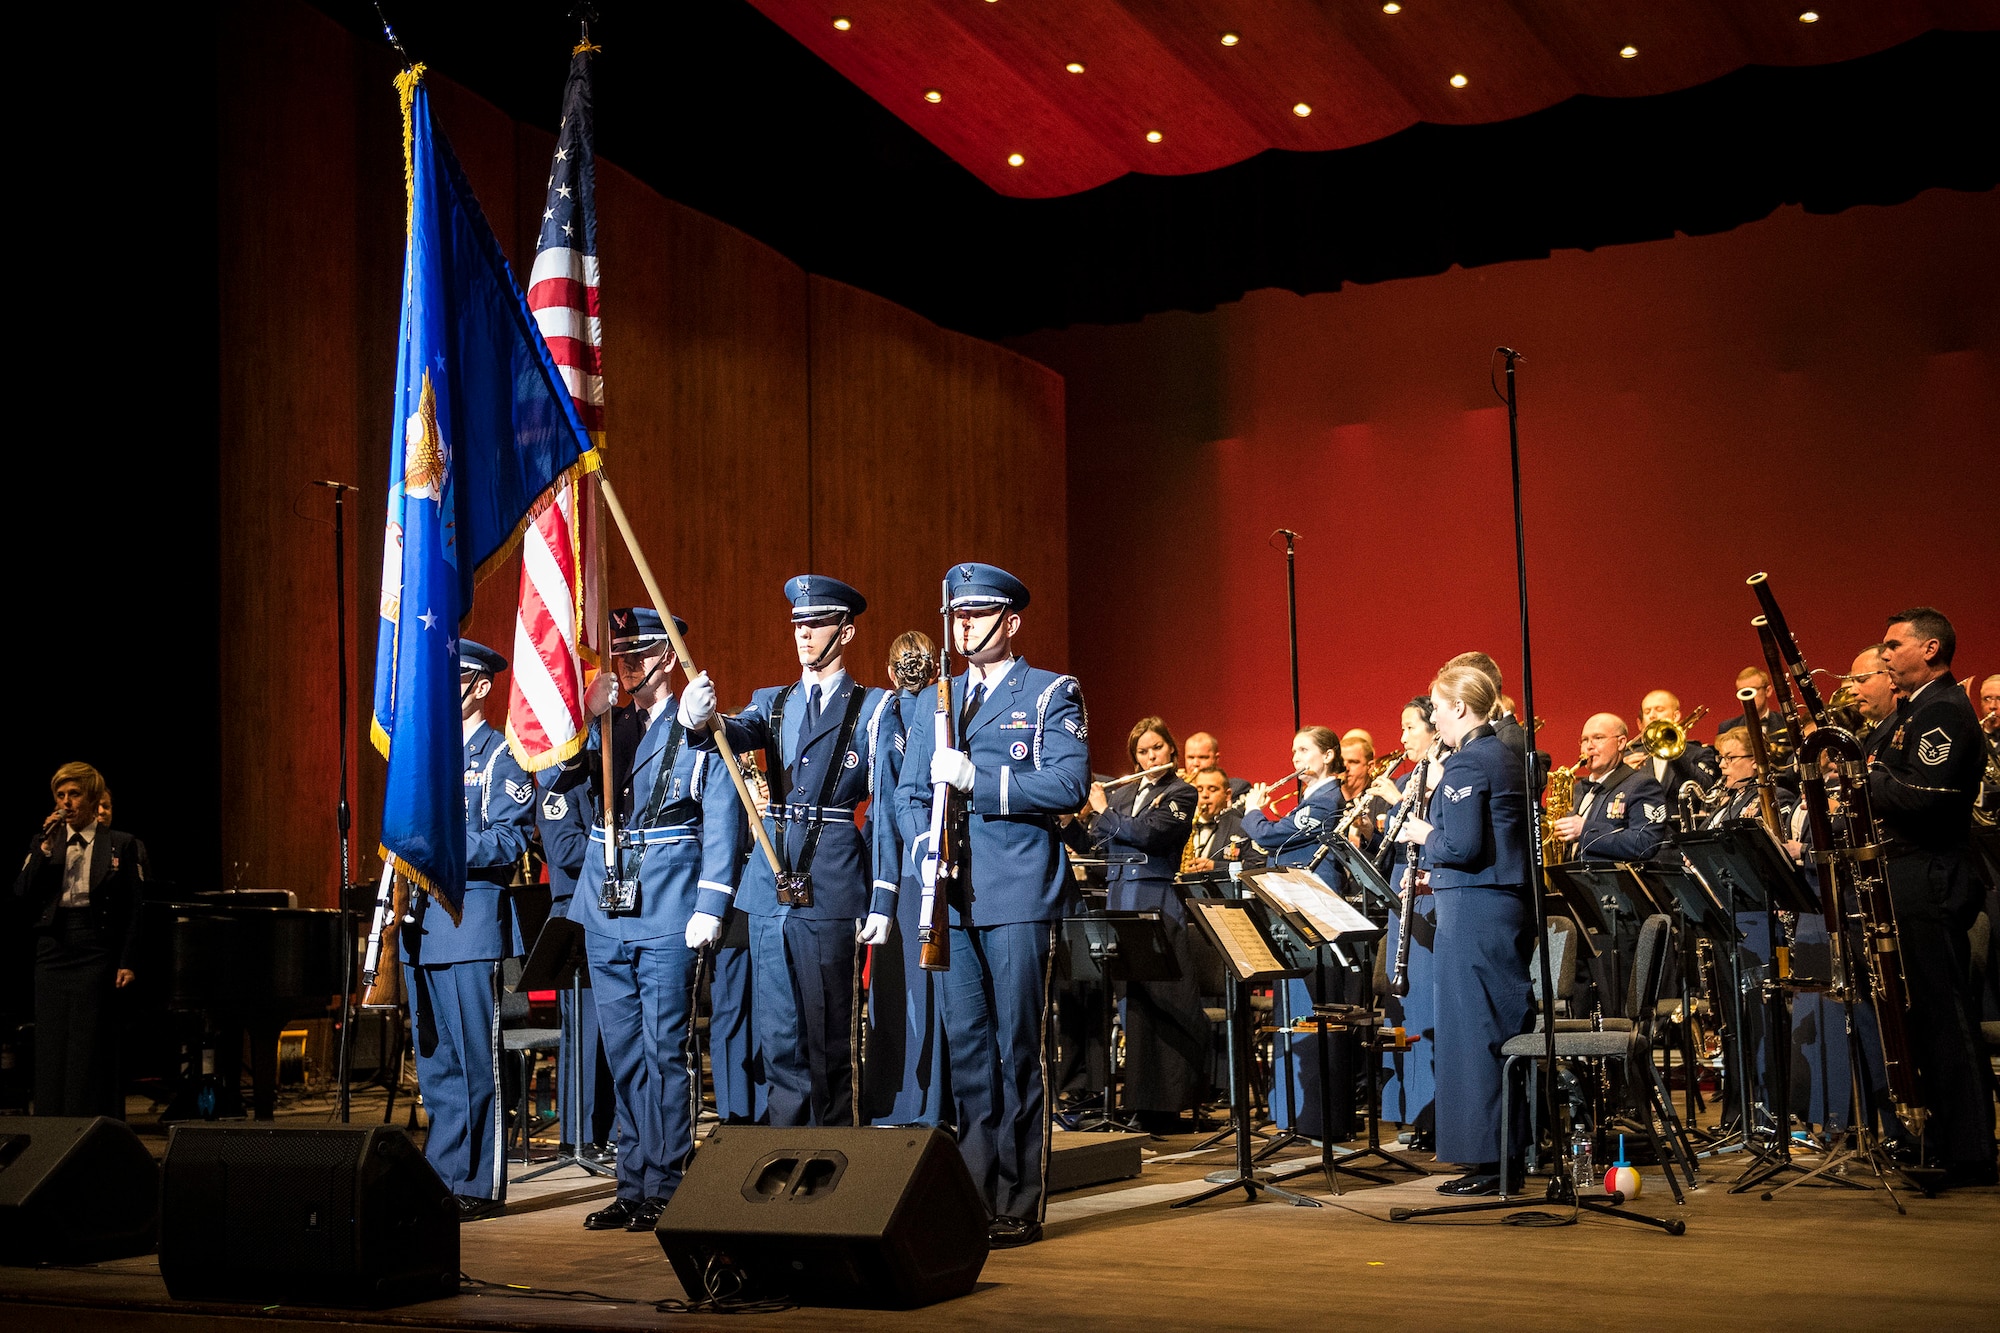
x=972 y=704
x=812 y=708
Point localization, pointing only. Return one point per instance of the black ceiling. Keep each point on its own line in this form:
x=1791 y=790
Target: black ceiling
x=716 y=107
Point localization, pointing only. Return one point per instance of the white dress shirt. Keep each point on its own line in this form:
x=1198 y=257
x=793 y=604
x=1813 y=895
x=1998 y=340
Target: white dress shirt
x=76 y=865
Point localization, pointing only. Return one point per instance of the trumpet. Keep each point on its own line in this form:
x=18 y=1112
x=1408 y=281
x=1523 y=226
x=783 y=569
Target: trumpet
x=1664 y=738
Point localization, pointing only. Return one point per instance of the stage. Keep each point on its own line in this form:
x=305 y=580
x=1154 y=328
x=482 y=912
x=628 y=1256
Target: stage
x=1116 y=1257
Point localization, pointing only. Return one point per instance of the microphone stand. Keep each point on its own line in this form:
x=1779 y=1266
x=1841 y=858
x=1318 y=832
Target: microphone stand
x=1562 y=1190
x=342 y=815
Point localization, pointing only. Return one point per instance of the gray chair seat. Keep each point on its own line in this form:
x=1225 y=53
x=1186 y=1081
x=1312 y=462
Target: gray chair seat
x=531 y=1039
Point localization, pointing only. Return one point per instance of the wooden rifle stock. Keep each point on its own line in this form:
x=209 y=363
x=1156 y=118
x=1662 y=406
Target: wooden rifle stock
x=382 y=987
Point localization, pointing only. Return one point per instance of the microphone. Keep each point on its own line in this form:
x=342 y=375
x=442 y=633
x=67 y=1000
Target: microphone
x=1509 y=353
x=336 y=485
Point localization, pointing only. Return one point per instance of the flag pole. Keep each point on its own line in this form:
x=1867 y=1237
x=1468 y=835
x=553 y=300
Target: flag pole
x=715 y=728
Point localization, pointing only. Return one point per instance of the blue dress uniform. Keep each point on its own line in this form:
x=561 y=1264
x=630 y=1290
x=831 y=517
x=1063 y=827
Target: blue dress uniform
x=802 y=958
x=1167 y=1035
x=683 y=843
x=1624 y=815
x=1923 y=789
x=907 y=1080
x=1292 y=840
x=1478 y=858
x=452 y=971
x=562 y=820
x=1028 y=744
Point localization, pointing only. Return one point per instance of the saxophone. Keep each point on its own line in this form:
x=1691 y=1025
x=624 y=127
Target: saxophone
x=1558 y=799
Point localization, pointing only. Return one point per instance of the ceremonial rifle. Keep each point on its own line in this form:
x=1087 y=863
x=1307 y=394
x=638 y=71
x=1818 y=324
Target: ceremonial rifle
x=940 y=869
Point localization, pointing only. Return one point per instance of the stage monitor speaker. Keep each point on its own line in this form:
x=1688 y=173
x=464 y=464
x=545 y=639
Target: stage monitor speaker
x=327 y=1215
x=75 y=1189
x=880 y=1218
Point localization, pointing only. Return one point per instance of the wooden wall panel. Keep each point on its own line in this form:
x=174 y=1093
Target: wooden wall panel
x=742 y=458
x=929 y=447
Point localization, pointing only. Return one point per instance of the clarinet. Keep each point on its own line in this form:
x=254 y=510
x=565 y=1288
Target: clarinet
x=1399 y=980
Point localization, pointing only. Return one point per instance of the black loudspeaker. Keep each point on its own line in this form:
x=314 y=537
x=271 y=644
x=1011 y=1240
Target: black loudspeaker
x=331 y=1215
x=883 y=1218
x=75 y=1189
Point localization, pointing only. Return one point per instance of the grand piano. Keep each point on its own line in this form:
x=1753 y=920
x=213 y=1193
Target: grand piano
x=244 y=962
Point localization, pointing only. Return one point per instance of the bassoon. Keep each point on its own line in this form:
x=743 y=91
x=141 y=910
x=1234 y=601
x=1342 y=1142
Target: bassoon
x=1849 y=856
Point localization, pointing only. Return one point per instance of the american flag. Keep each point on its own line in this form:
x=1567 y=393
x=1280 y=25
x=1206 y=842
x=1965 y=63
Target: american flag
x=556 y=625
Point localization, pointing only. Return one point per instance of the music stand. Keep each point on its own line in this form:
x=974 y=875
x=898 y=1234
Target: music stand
x=1706 y=916
x=1107 y=948
x=1613 y=892
x=1215 y=886
x=1251 y=956
x=557 y=962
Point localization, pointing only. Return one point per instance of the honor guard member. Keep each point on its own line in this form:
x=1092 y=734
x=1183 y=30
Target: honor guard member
x=1021 y=760
x=562 y=821
x=452 y=970
x=906 y=1083
x=1475 y=846
x=1166 y=1029
x=803 y=926
x=678 y=850
x=1923 y=787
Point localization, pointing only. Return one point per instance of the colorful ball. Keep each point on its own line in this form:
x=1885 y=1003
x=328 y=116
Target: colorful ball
x=1622 y=1180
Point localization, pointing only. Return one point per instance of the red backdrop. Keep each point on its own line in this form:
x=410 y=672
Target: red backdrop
x=1812 y=396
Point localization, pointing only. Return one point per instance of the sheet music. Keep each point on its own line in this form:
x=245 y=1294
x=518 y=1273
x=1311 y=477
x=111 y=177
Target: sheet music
x=1303 y=892
x=1244 y=945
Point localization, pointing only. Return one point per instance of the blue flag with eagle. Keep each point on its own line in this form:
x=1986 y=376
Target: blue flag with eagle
x=484 y=426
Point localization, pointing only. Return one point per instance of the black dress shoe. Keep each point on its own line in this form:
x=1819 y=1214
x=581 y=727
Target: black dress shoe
x=1005 y=1233
x=1472 y=1185
x=615 y=1216
x=473 y=1209
x=646 y=1216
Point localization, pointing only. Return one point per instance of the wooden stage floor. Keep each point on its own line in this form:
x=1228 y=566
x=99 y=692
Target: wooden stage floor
x=1117 y=1258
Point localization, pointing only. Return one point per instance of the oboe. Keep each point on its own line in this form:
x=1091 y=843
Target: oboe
x=1413 y=878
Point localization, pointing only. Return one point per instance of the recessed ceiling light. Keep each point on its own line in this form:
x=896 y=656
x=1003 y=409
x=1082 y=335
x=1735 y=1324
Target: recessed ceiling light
x=1392 y=8
x=1015 y=159
x=1074 y=67
x=842 y=24
x=1459 y=80
x=933 y=95
x=1810 y=16
x=1628 y=51
x=1154 y=136
x=1301 y=109
x=1230 y=39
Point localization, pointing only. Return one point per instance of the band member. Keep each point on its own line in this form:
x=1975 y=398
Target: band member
x=451 y=970
x=562 y=824
x=1293 y=840
x=1021 y=761
x=1777 y=738
x=1989 y=704
x=906 y=1082
x=139 y=856
x=1408 y=1091
x=678 y=852
x=803 y=937
x=1166 y=1029
x=1874 y=687
x=1475 y=845
x=1505 y=725
x=1621 y=813
x=1202 y=751
x=1694 y=764
x=80 y=885
x=1923 y=786
x=1357 y=756
x=1216 y=836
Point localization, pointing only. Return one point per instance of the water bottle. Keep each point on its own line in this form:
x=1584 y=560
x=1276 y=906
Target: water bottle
x=1581 y=1172
x=209 y=1095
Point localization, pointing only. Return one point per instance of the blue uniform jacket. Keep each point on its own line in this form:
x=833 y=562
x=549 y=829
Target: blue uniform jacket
x=1927 y=779
x=888 y=841
x=687 y=861
x=1292 y=839
x=499 y=820
x=842 y=865
x=1627 y=820
x=1160 y=830
x=1479 y=818
x=1029 y=748
x=562 y=818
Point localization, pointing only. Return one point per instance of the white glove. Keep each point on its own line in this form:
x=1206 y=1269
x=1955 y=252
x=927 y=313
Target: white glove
x=875 y=930
x=703 y=928
x=697 y=703
x=951 y=766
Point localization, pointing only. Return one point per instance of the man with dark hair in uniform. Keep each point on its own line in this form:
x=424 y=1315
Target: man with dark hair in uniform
x=1922 y=784
x=1021 y=760
x=452 y=968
